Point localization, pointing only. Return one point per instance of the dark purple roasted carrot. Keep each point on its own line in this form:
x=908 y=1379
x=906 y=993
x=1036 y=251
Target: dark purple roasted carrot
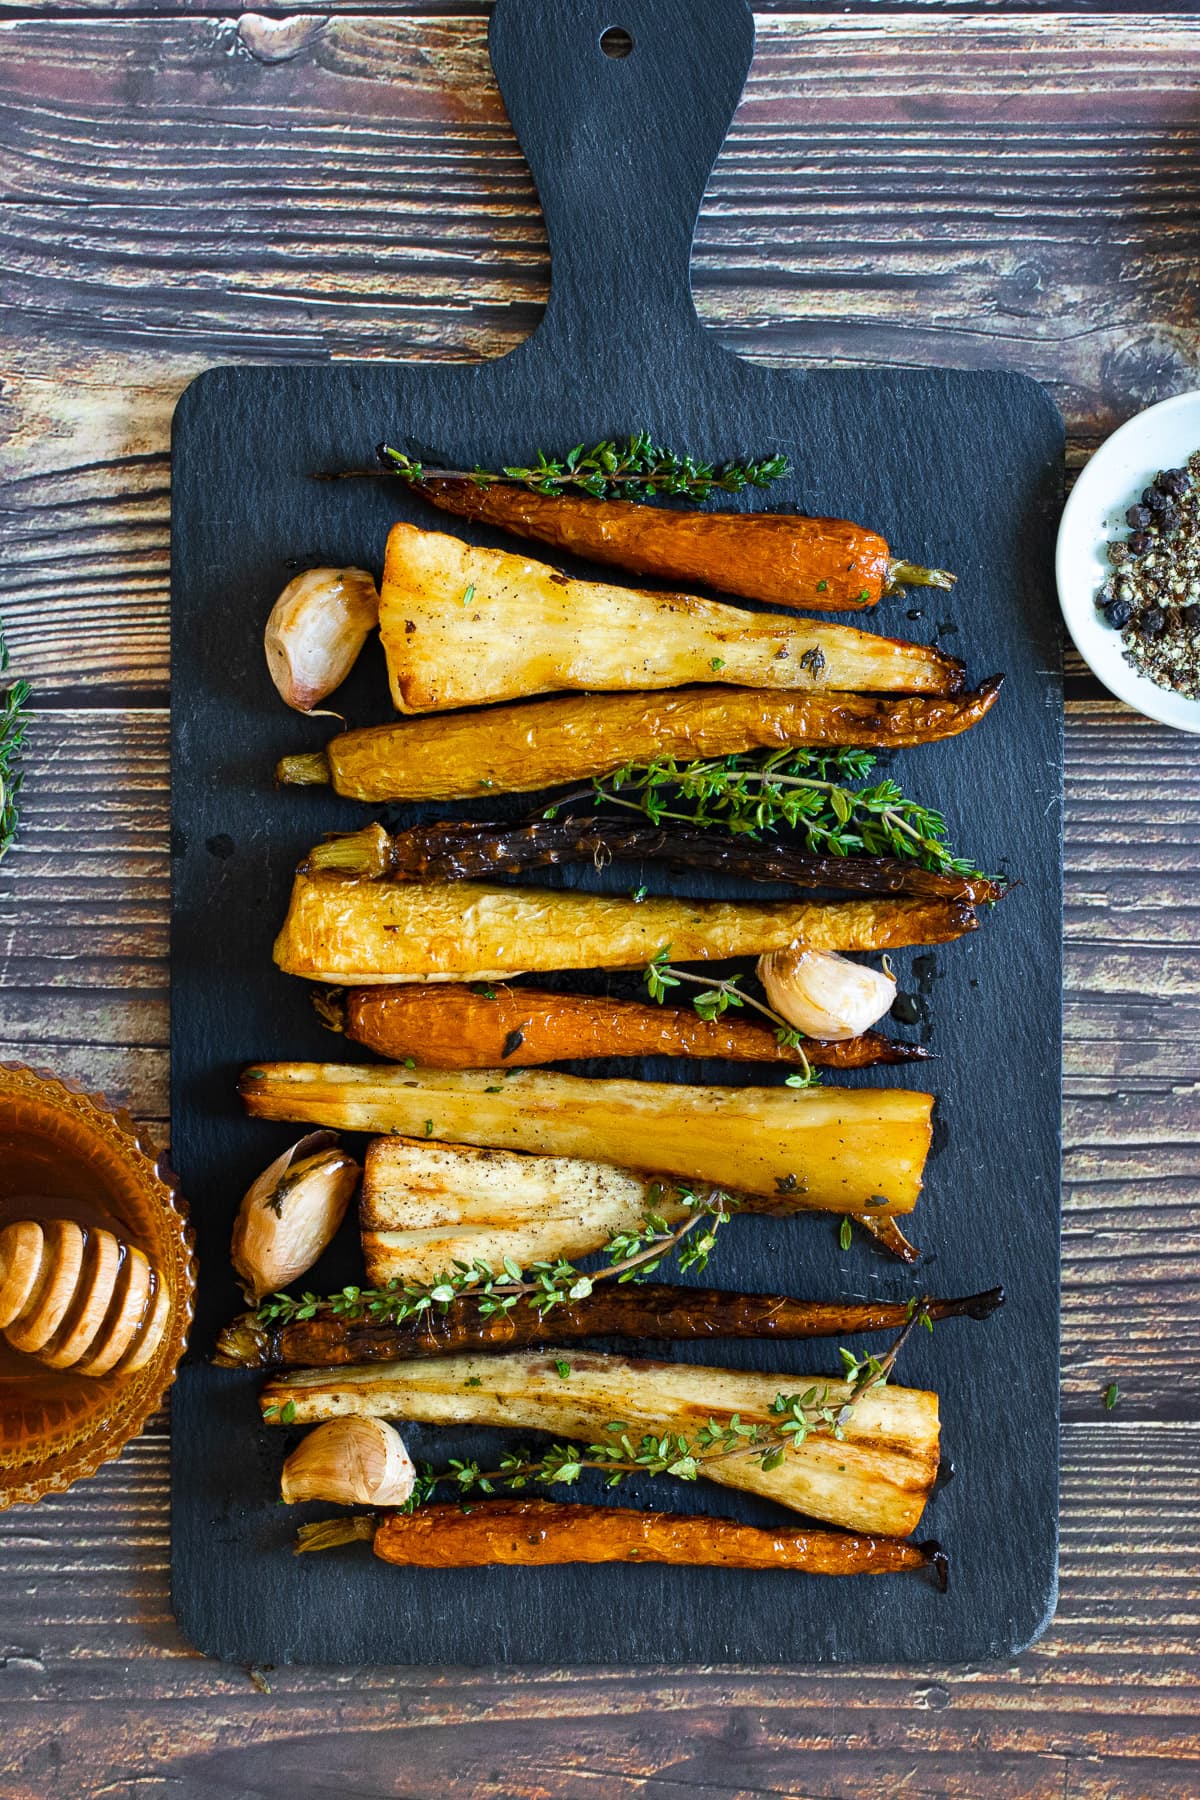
x=812 y=565
x=475 y=850
x=535 y=1533
x=452 y=1026
x=646 y=1310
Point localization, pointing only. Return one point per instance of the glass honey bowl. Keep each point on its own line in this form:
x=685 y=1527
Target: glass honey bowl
x=66 y=1154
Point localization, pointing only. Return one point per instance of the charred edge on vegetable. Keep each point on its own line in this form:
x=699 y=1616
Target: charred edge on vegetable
x=938 y=1563
x=453 y=850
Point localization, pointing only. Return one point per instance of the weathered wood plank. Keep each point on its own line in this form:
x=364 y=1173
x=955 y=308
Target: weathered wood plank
x=93 y=1680
x=84 y=898
x=239 y=207
x=764 y=10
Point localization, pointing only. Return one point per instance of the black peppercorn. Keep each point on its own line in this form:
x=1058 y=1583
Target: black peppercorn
x=1119 y=614
x=1138 y=517
x=1153 y=622
x=1140 y=542
x=1174 y=482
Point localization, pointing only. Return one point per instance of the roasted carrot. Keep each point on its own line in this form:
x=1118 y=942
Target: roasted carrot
x=456 y=1027
x=470 y=849
x=534 y=1533
x=814 y=565
x=428 y=1206
x=534 y=746
x=644 y=1311
x=888 y=1234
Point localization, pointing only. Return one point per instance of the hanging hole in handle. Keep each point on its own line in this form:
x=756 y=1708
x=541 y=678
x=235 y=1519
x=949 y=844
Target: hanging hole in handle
x=616 y=41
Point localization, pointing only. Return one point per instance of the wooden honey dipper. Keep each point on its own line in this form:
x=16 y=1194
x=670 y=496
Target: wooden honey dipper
x=77 y=1298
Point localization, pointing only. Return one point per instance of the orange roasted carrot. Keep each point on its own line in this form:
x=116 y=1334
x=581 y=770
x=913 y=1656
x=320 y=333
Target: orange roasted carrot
x=813 y=565
x=534 y=1533
x=458 y=1027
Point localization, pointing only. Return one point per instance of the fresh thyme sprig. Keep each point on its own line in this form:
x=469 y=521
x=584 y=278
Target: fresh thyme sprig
x=543 y=1286
x=14 y=721
x=803 y=789
x=636 y=469
x=660 y=974
x=793 y=1419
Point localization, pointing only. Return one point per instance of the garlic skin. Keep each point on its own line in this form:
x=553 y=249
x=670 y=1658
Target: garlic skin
x=350 y=1461
x=290 y=1214
x=825 y=995
x=317 y=627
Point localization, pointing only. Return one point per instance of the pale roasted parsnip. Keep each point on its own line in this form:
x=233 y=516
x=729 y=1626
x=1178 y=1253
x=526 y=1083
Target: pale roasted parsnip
x=463 y=626
x=875 y=1477
x=846 y=1149
x=363 y=932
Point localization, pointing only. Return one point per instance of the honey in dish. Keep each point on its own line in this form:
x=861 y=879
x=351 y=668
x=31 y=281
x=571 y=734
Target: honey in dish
x=39 y=1183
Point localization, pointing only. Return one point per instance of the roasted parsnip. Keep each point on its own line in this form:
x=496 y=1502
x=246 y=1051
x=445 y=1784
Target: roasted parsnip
x=533 y=1533
x=525 y=748
x=463 y=626
x=361 y=933
x=470 y=849
x=644 y=1311
x=814 y=565
x=875 y=1477
x=845 y=1149
x=427 y=1206
x=445 y=1026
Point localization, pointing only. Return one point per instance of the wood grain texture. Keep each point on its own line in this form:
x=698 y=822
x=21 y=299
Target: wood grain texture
x=179 y=197
x=172 y=187
x=97 y=1691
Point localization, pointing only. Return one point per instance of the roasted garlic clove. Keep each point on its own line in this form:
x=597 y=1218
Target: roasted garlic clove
x=825 y=995
x=351 y=1461
x=290 y=1214
x=317 y=627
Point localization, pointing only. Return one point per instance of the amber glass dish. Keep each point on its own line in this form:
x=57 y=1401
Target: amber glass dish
x=68 y=1154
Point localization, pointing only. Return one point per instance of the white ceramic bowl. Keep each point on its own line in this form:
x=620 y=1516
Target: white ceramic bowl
x=1162 y=437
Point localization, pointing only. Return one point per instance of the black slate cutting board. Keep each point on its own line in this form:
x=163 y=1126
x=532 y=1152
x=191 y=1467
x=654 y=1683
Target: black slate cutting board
x=962 y=469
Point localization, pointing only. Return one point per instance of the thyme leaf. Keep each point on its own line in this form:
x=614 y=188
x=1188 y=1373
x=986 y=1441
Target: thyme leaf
x=635 y=469
x=14 y=722
x=543 y=1285
x=660 y=974
x=805 y=790
x=792 y=1419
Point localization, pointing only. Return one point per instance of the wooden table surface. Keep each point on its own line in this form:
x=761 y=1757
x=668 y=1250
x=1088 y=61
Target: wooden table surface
x=182 y=185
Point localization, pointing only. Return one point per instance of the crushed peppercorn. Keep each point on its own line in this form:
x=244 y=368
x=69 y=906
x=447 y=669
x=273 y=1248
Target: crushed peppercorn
x=1152 y=596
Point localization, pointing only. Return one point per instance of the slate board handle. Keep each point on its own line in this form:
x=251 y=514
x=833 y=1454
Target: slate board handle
x=621 y=148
